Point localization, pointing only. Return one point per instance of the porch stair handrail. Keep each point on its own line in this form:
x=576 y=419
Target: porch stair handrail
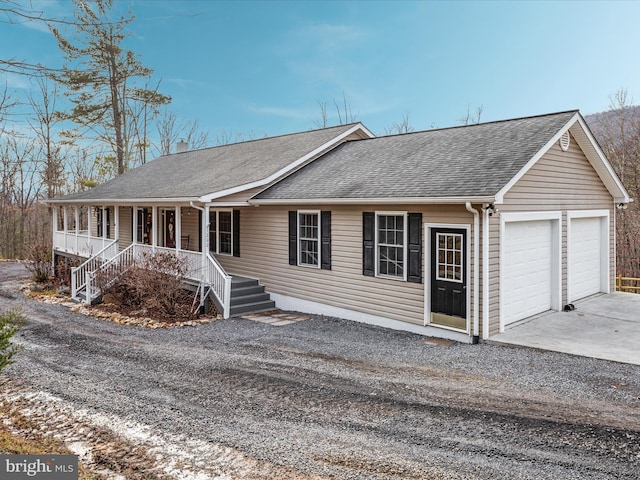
x=80 y=274
x=115 y=265
x=220 y=282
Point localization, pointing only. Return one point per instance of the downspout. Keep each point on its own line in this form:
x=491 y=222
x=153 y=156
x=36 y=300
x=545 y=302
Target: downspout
x=476 y=266
x=485 y=271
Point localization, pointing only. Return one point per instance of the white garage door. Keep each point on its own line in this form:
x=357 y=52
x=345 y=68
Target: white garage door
x=585 y=260
x=527 y=267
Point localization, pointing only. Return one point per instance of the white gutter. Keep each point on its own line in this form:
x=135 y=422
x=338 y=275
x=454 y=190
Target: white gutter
x=123 y=201
x=476 y=265
x=367 y=201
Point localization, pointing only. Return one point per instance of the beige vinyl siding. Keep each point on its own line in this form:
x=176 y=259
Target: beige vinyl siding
x=264 y=255
x=125 y=234
x=559 y=181
x=189 y=218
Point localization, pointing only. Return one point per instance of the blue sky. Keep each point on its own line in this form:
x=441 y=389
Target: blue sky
x=261 y=68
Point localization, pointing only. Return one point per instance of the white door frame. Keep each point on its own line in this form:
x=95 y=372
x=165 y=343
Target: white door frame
x=556 y=254
x=605 y=282
x=427 y=271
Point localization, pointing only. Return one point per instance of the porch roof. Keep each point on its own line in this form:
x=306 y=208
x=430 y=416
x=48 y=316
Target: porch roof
x=451 y=164
x=191 y=175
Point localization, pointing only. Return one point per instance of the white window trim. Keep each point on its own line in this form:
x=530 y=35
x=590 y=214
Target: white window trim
x=318 y=239
x=404 y=244
x=217 y=212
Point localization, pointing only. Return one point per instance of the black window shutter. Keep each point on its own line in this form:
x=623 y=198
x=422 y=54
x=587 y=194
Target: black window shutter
x=236 y=233
x=368 y=243
x=325 y=251
x=293 y=238
x=414 y=257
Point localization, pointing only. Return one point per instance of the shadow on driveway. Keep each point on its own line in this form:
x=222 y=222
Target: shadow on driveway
x=604 y=326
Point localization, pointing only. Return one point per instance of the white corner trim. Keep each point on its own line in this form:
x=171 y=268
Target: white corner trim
x=500 y=195
x=334 y=142
x=286 y=302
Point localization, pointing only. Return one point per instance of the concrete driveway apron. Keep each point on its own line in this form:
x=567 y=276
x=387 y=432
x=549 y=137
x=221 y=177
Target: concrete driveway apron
x=604 y=326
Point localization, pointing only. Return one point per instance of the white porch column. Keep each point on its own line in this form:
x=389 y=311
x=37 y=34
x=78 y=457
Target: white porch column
x=205 y=229
x=178 y=225
x=53 y=234
x=89 y=233
x=65 y=226
x=77 y=222
x=134 y=233
x=154 y=230
x=116 y=223
x=104 y=226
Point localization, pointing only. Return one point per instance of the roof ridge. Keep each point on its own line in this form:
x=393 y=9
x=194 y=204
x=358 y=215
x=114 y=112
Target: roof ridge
x=344 y=125
x=454 y=127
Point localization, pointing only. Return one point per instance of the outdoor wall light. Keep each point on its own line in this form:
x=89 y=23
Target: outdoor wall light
x=622 y=206
x=491 y=209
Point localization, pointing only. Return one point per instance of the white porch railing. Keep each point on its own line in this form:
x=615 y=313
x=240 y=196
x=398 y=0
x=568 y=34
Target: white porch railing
x=81 y=244
x=220 y=282
x=80 y=274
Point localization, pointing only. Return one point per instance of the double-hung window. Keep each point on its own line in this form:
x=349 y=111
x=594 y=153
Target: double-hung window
x=221 y=232
x=309 y=239
x=391 y=242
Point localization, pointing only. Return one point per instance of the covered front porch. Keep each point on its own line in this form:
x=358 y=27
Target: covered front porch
x=110 y=238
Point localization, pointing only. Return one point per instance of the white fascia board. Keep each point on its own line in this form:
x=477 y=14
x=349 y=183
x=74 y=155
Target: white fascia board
x=500 y=195
x=229 y=204
x=622 y=196
x=292 y=166
x=125 y=201
x=370 y=201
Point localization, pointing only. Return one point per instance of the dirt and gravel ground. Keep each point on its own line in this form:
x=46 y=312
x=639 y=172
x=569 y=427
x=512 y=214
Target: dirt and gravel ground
x=320 y=398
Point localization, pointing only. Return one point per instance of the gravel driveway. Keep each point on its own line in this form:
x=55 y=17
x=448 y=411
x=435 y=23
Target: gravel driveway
x=321 y=398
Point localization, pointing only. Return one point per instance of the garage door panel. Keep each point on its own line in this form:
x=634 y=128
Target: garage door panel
x=585 y=257
x=527 y=266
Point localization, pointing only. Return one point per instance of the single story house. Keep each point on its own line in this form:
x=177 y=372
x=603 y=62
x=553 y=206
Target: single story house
x=455 y=232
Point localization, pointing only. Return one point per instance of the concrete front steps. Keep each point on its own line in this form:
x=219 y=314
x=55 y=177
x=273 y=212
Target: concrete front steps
x=248 y=296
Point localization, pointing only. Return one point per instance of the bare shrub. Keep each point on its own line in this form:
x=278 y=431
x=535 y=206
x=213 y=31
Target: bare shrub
x=159 y=279
x=154 y=282
x=62 y=270
x=39 y=262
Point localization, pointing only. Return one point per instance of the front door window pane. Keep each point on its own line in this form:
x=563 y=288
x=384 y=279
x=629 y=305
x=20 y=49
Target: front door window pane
x=449 y=257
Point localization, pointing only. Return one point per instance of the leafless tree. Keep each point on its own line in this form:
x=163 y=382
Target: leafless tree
x=404 y=126
x=618 y=133
x=43 y=123
x=344 y=113
x=472 y=118
x=171 y=129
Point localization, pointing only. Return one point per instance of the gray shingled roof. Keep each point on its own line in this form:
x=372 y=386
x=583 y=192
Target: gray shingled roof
x=201 y=172
x=475 y=160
